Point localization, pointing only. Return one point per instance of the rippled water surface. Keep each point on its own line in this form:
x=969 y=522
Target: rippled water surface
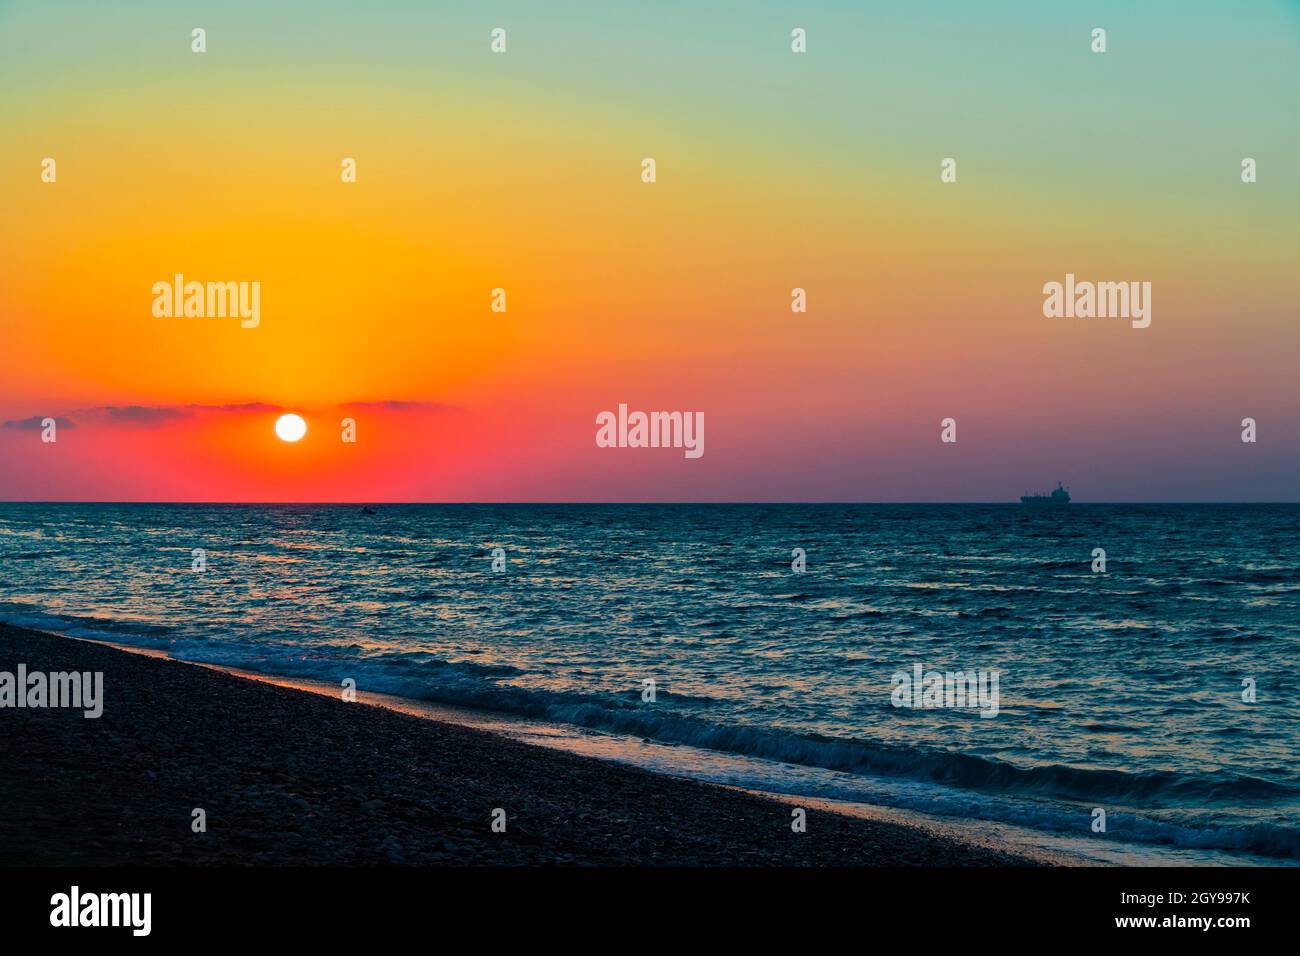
x=1120 y=691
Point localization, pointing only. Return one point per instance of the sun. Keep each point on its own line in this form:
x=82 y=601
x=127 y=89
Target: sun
x=290 y=427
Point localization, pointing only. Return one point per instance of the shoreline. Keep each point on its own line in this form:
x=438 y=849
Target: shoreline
x=287 y=775
x=605 y=746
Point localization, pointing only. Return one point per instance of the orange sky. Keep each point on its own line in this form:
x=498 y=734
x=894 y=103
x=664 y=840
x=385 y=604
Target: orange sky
x=522 y=172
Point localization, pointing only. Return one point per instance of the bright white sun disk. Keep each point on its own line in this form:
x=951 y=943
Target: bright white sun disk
x=290 y=427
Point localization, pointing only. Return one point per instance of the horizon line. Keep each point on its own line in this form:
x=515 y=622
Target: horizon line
x=365 y=503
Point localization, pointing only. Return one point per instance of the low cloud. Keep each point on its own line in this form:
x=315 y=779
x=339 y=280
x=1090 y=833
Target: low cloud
x=237 y=407
x=142 y=414
x=153 y=416
x=37 y=422
x=401 y=406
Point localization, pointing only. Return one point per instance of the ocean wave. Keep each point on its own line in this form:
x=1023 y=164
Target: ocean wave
x=463 y=685
x=989 y=789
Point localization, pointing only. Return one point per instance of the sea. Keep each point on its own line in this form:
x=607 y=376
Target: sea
x=762 y=645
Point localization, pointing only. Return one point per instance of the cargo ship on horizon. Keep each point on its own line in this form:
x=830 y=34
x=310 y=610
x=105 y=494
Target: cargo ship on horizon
x=1058 y=497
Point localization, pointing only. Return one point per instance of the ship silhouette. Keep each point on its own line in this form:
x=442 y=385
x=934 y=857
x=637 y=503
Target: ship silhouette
x=1058 y=497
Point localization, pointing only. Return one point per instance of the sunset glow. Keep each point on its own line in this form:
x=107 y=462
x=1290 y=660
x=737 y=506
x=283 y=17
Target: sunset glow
x=819 y=172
